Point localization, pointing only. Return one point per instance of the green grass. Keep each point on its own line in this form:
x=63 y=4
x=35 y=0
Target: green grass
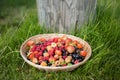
x=103 y=35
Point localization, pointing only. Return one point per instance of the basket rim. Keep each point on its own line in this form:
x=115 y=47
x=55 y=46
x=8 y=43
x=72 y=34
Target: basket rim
x=51 y=67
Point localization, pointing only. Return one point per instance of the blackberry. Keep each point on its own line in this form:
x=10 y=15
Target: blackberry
x=63 y=50
x=73 y=56
x=64 y=54
x=58 y=66
x=27 y=52
x=46 y=61
x=49 y=64
x=78 y=50
x=77 y=56
x=81 y=49
x=80 y=58
x=67 y=53
x=39 y=43
x=38 y=63
x=83 y=58
x=72 y=61
x=74 y=53
x=45 y=51
x=70 y=54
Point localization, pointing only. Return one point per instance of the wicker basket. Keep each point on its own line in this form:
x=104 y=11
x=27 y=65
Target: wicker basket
x=86 y=46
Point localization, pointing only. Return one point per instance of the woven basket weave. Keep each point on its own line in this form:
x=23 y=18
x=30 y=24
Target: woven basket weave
x=86 y=47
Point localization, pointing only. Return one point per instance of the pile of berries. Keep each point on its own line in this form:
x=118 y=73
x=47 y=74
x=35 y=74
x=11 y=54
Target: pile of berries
x=58 y=51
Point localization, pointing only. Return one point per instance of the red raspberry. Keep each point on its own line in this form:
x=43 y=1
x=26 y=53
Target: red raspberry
x=51 y=52
x=33 y=48
x=64 y=65
x=56 y=48
x=64 y=57
x=40 y=53
x=42 y=48
x=36 y=56
x=38 y=48
x=48 y=43
x=61 y=48
x=45 y=44
x=40 y=58
x=76 y=62
x=63 y=42
x=46 y=58
x=55 y=40
x=51 y=40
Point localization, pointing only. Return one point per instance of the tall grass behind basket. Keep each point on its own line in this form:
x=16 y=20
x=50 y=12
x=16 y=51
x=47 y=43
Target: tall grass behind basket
x=86 y=47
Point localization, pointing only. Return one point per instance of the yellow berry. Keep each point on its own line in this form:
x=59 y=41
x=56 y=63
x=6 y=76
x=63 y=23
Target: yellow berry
x=61 y=60
x=70 y=57
x=67 y=60
x=56 y=56
x=57 y=63
x=49 y=48
x=53 y=44
x=43 y=63
x=53 y=65
x=46 y=54
x=34 y=60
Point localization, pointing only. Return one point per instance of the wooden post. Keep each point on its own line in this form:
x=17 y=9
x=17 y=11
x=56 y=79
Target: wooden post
x=64 y=15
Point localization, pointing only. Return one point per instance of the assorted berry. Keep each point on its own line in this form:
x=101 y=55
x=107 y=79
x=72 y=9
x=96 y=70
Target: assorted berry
x=58 y=51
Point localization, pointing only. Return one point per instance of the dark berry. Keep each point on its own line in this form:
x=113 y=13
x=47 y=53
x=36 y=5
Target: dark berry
x=72 y=61
x=63 y=50
x=73 y=56
x=74 y=52
x=64 y=57
x=80 y=58
x=46 y=61
x=58 y=66
x=67 y=53
x=27 y=52
x=77 y=56
x=64 y=54
x=81 y=49
x=49 y=64
x=45 y=51
x=77 y=51
x=70 y=54
x=39 y=43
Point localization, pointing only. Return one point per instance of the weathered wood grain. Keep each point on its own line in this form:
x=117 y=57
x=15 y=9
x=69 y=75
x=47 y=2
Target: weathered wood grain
x=64 y=15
